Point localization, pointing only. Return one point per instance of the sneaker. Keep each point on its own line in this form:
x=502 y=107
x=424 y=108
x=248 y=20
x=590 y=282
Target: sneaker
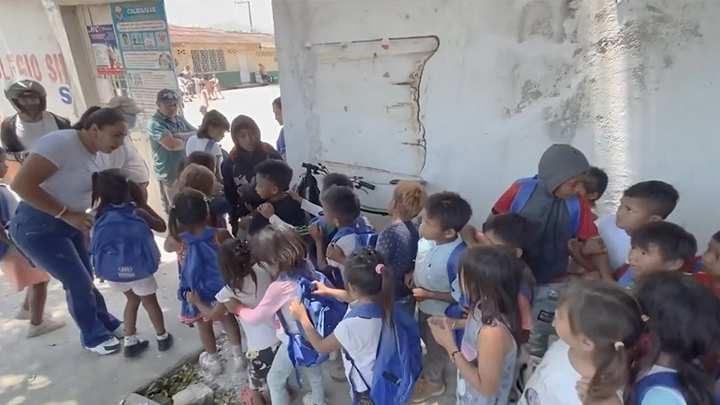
x=166 y=343
x=425 y=390
x=307 y=400
x=109 y=346
x=48 y=325
x=119 y=332
x=211 y=363
x=134 y=350
x=23 y=314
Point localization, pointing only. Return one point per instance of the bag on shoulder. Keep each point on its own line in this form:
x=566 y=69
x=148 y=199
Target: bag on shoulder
x=398 y=359
x=365 y=236
x=122 y=246
x=324 y=312
x=664 y=379
x=200 y=272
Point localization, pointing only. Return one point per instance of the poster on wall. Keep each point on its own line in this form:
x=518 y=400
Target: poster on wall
x=143 y=39
x=105 y=49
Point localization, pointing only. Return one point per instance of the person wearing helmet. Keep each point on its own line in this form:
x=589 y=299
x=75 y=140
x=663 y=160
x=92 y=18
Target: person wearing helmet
x=127 y=158
x=20 y=132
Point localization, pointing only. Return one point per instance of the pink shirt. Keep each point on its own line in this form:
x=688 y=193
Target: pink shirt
x=278 y=295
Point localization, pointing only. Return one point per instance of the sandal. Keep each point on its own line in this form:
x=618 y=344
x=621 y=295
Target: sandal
x=252 y=397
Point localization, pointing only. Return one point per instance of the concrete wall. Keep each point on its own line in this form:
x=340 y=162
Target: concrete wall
x=632 y=83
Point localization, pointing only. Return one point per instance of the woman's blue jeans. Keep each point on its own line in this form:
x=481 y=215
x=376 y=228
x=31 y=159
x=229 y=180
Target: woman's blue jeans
x=60 y=249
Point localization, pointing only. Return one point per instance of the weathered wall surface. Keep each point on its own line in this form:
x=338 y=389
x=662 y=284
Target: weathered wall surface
x=632 y=83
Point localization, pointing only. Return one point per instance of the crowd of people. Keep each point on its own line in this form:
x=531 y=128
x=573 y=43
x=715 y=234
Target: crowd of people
x=205 y=88
x=539 y=306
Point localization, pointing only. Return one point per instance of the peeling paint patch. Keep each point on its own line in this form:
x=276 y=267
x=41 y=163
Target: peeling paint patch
x=563 y=122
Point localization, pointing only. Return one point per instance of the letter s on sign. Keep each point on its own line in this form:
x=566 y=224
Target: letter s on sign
x=65 y=95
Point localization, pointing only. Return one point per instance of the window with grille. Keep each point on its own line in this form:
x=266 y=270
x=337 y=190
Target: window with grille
x=208 y=60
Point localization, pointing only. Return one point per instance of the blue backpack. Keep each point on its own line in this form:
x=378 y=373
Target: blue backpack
x=211 y=144
x=365 y=237
x=528 y=186
x=398 y=360
x=665 y=379
x=455 y=310
x=325 y=313
x=122 y=245
x=200 y=271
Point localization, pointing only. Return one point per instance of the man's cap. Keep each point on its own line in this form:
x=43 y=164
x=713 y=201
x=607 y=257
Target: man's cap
x=125 y=104
x=168 y=97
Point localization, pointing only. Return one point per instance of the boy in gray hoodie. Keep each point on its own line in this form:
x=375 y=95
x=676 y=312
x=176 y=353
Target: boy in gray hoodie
x=552 y=201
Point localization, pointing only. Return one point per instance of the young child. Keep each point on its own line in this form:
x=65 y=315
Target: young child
x=341 y=208
x=683 y=321
x=599 y=324
x=19 y=271
x=641 y=204
x=282 y=249
x=211 y=132
x=273 y=179
x=398 y=243
x=277 y=111
x=369 y=282
x=594 y=185
x=444 y=216
x=657 y=246
x=204 y=98
x=200 y=274
x=111 y=191
x=551 y=200
x=245 y=284
x=490 y=279
x=708 y=270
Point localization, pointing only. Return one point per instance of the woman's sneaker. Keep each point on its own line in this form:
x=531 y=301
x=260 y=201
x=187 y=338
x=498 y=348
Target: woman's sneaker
x=109 y=346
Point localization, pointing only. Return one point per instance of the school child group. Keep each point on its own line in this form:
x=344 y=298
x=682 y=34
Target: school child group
x=531 y=309
x=534 y=308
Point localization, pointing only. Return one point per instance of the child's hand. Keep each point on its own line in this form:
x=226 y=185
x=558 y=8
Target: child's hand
x=244 y=222
x=316 y=232
x=473 y=237
x=421 y=294
x=192 y=297
x=320 y=288
x=443 y=333
x=582 y=388
x=297 y=309
x=294 y=195
x=594 y=246
x=267 y=210
x=335 y=253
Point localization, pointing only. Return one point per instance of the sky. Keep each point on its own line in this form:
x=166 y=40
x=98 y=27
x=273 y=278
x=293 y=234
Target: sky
x=222 y=14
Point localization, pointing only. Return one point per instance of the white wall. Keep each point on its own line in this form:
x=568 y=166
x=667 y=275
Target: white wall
x=634 y=85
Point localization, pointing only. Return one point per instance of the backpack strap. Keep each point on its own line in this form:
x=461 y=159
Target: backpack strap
x=61 y=122
x=365 y=311
x=665 y=379
x=573 y=207
x=453 y=261
x=523 y=194
x=209 y=146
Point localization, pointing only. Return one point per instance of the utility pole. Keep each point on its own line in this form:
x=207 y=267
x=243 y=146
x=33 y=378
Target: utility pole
x=247 y=2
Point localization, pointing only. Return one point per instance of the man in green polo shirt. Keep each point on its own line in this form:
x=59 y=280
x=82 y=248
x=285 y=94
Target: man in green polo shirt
x=167 y=132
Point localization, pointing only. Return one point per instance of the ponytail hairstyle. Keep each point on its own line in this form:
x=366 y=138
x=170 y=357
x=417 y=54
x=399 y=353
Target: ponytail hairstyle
x=490 y=277
x=611 y=319
x=189 y=210
x=197 y=177
x=110 y=187
x=213 y=119
x=409 y=198
x=368 y=275
x=683 y=321
x=281 y=247
x=235 y=263
x=100 y=117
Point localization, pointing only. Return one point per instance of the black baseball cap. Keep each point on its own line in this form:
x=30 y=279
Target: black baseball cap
x=168 y=97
